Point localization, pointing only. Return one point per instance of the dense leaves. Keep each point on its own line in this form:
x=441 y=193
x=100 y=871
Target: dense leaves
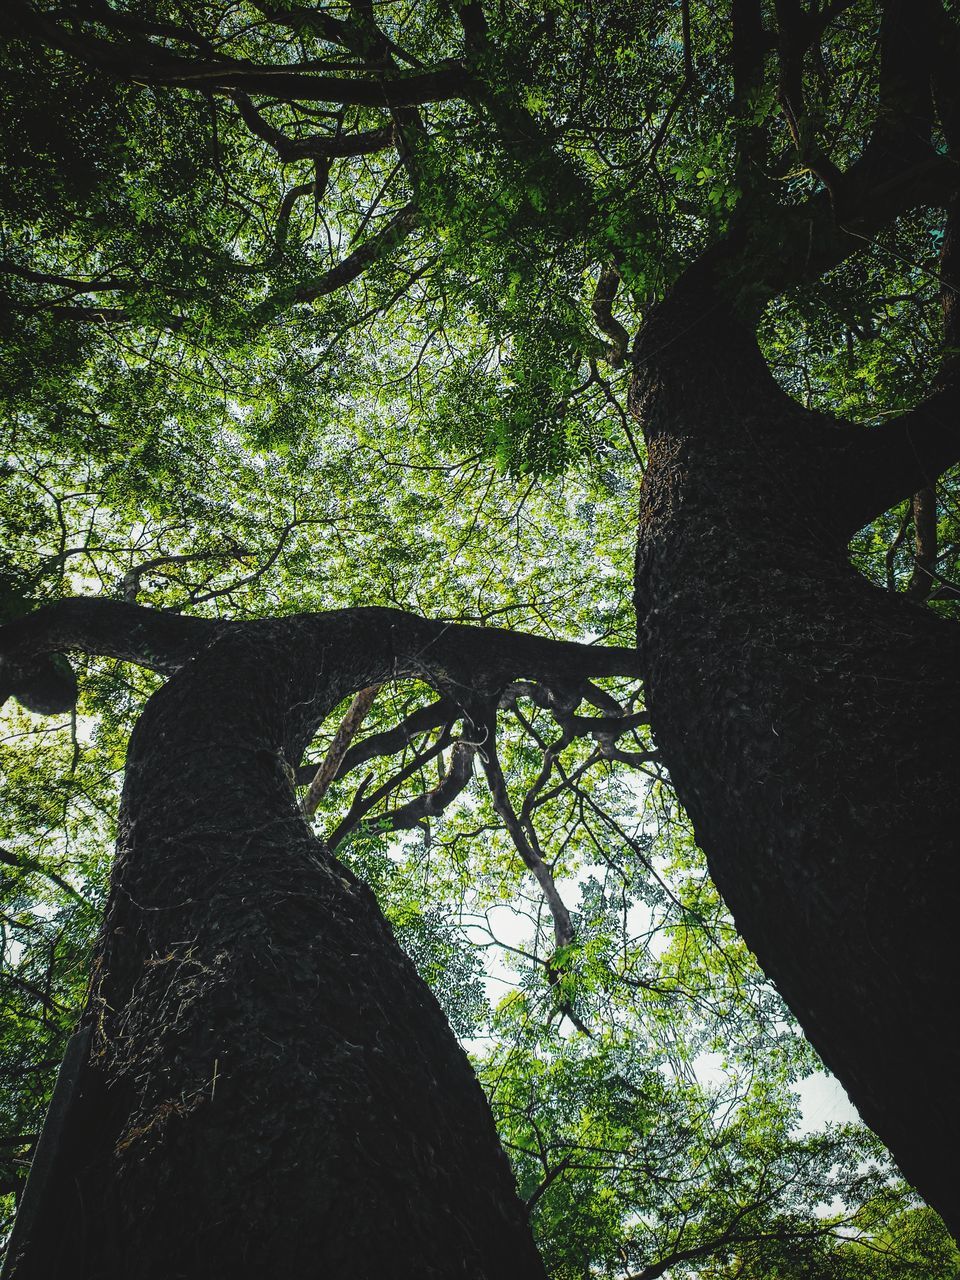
x=356 y=331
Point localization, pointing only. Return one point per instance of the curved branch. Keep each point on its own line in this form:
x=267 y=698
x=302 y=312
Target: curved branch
x=899 y=169
x=314 y=22
x=89 y=624
x=25 y=863
x=375 y=644
x=562 y=924
x=882 y=465
x=110 y=628
x=431 y=803
x=602 y=307
x=143 y=62
x=904 y=456
x=389 y=741
x=130 y=582
x=363 y=803
x=346 y=271
x=317 y=146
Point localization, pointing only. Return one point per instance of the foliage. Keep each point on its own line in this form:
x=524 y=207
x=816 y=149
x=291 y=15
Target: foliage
x=265 y=353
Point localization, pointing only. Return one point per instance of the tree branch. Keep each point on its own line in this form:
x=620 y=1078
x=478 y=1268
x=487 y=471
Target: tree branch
x=876 y=467
x=750 y=44
x=25 y=863
x=798 y=29
x=356 y=714
x=602 y=308
x=316 y=22
x=130 y=582
x=898 y=170
x=431 y=803
x=106 y=284
x=497 y=87
x=362 y=803
x=389 y=741
x=924 y=507
x=141 y=62
x=315 y=147
x=562 y=924
x=904 y=456
x=463 y=663
x=90 y=624
x=346 y=271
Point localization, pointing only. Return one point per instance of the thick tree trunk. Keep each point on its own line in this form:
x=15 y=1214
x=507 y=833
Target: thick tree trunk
x=808 y=719
x=271 y=1090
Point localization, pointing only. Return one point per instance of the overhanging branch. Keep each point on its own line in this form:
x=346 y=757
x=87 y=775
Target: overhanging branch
x=316 y=146
x=903 y=457
x=148 y=637
x=900 y=168
x=143 y=62
x=431 y=803
x=461 y=662
x=389 y=741
x=529 y=853
x=876 y=467
x=332 y=761
x=349 y=269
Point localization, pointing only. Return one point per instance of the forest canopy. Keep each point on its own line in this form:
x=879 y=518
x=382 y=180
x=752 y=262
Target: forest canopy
x=334 y=307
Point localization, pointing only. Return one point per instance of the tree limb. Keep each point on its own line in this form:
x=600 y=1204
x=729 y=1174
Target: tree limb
x=462 y=662
x=24 y=863
x=356 y=714
x=389 y=741
x=315 y=22
x=431 y=803
x=130 y=582
x=363 y=803
x=90 y=624
x=899 y=169
x=924 y=507
x=315 y=147
x=602 y=308
x=562 y=924
x=905 y=455
x=750 y=45
x=142 y=62
x=346 y=271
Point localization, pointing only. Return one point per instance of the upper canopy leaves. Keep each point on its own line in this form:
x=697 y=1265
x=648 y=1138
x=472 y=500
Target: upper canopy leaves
x=330 y=196
x=263 y=267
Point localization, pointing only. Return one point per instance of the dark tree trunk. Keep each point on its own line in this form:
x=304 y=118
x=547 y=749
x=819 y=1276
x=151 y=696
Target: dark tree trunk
x=271 y=1090
x=808 y=719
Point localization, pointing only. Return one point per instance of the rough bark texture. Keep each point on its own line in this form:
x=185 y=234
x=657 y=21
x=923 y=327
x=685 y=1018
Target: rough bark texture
x=809 y=720
x=271 y=1089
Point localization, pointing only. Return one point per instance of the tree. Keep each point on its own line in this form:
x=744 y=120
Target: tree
x=469 y=221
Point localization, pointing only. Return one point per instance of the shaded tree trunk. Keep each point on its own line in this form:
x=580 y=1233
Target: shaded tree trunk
x=271 y=1090
x=808 y=719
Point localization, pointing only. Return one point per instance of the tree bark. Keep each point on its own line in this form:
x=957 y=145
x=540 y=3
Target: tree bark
x=271 y=1090
x=808 y=719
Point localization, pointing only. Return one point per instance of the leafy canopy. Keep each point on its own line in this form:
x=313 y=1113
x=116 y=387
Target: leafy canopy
x=309 y=307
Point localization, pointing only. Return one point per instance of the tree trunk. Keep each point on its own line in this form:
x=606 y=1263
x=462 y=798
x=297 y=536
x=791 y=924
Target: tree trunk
x=271 y=1089
x=808 y=719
